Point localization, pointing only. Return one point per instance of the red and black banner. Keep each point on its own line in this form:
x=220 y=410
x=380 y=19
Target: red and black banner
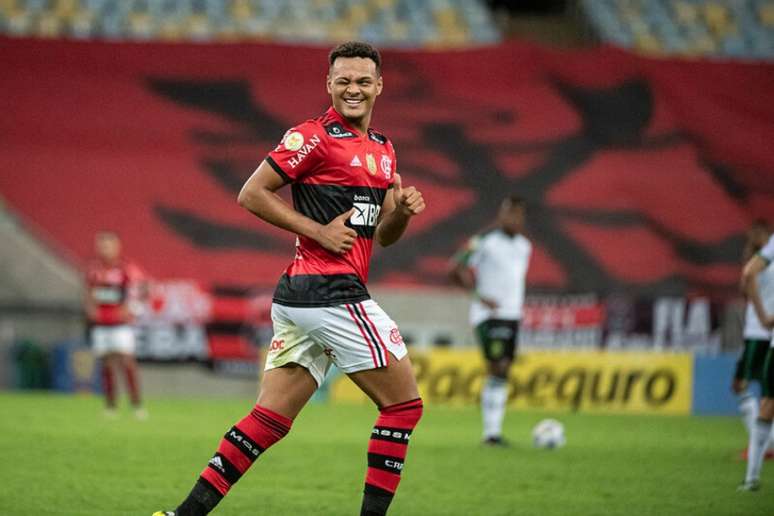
x=640 y=175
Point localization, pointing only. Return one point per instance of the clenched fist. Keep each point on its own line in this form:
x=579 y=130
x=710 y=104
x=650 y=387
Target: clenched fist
x=335 y=236
x=408 y=200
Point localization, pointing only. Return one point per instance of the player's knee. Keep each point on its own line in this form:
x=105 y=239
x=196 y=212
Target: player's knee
x=767 y=409
x=499 y=369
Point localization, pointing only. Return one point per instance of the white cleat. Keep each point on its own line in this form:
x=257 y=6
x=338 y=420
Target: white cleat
x=752 y=485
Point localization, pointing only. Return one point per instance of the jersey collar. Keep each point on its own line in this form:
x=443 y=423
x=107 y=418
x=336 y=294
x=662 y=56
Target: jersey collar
x=343 y=121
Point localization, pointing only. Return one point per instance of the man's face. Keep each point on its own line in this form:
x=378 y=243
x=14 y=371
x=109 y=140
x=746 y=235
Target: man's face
x=511 y=217
x=107 y=246
x=354 y=84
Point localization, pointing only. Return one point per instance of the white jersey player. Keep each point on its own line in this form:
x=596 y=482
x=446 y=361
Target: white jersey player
x=494 y=266
x=761 y=430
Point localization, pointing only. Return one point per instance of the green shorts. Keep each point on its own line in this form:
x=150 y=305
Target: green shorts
x=498 y=338
x=750 y=364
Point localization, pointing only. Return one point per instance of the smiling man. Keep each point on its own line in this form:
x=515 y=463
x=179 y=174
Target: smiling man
x=346 y=194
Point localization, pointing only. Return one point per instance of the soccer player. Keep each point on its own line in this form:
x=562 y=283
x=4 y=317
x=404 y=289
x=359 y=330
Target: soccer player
x=756 y=336
x=493 y=266
x=346 y=193
x=108 y=282
x=761 y=430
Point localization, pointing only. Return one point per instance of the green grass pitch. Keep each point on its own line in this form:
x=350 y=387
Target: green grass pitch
x=59 y=456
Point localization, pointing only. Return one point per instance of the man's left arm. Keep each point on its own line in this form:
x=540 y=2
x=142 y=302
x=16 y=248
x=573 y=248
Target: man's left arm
x=399 y=206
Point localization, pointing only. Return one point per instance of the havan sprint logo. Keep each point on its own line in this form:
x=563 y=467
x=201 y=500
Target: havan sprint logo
x=303 y=149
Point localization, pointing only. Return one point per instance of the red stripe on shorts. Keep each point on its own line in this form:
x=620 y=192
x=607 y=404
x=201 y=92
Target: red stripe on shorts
x=368 y=342
x=386 y=353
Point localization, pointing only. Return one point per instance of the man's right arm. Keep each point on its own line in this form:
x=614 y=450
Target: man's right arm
x=258 y=196
x=461 y=274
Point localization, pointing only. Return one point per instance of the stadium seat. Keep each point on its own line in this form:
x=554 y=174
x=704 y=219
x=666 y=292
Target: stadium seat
x=739 y=29
x=385 y=22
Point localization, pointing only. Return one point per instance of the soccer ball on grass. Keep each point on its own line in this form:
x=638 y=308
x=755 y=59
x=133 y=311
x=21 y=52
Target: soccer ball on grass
x=548 y=434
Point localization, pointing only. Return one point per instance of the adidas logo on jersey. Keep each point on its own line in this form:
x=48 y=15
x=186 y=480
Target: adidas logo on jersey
x=355 y=162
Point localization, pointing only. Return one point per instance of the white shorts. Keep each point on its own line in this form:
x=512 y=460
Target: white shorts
x=355 y=337
x=112 y=339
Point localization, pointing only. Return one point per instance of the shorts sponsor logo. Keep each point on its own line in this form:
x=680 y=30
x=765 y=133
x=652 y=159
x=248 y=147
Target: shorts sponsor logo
x=277 y=345
x=386 y=165
x=395 y=336
x=500 y=332
x=365 y=214
x=294 y=141
x=371 y=164
x=303 y=150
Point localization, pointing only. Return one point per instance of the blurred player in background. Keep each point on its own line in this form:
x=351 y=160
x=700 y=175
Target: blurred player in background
x=761 y=429
x=345 y=194
x=493 y=266
x=757 y=337
x=109 y=284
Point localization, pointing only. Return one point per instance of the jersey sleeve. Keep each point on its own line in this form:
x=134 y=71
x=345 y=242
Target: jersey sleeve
x=299 y=153
x=767 y=251
x=393 y=165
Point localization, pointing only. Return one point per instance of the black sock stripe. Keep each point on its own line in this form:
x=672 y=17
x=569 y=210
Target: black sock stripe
x=274 y=425
x=405 y=405
x=385 y=463
x=243 y=443
x=395 y=435
x=380 y=353
x=221 y=465
x=371 y=489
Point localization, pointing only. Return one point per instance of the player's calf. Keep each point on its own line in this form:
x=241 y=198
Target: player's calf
x=238 y=449
x=387 y=453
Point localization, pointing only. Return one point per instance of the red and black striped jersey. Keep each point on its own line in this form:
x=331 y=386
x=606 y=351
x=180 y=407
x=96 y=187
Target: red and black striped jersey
x=333 y=168
x=108 y=286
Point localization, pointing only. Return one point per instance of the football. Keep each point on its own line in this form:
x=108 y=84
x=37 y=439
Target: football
x=548 y=434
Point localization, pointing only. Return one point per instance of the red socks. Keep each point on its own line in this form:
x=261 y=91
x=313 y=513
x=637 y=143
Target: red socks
x=389 y=444
x=242 y=444
x=133 y=383
x=109 y=385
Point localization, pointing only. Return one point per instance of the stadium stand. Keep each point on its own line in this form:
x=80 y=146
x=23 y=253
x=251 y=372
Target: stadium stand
x=740 y=29
x=384 y=22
